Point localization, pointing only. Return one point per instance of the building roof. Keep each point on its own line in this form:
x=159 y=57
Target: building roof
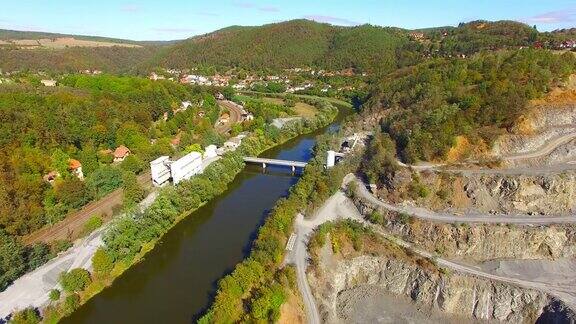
x=121 y=151
x=74 y=164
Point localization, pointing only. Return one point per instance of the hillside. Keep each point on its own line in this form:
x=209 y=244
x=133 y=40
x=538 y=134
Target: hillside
x=6 y=34
x=426 y=107
x=290 y=44
x=74 y=59
x=469 y=38
x=27 y=50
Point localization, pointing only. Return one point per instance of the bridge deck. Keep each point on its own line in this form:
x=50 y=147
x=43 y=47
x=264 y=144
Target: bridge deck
x=275 y=162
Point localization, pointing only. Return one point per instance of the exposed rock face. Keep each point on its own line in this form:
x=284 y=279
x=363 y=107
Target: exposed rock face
x=454 y=294
x=539 y=126
x=504 y=193
x=481 y=242
x=550 y=194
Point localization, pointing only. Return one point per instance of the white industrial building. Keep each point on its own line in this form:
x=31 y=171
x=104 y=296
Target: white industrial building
x=160 y=170
x=186 y=167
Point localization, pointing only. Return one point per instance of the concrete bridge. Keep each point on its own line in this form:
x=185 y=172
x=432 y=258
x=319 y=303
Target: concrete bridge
x=265 y=162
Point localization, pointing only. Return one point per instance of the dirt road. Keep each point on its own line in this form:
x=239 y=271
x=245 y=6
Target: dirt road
x=545 y=149
x=72 y=226
x=340 y=207
x=468 y=217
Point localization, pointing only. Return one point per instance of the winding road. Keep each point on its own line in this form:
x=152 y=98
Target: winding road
x=469 y=217
x=341 y=207
x=545 y=149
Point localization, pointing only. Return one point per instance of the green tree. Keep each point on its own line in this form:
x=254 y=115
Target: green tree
x=37 y=255
x=54 y=295
x=133 y=163
x=12 y=263
x=75 y=280
x=104 y=180
x=133 y=192
x=28 y=315
x=72 y=192
x=102 y=262
x=71 y=303
x=60 y=161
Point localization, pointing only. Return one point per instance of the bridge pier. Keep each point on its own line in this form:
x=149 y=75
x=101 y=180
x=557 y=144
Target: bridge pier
x=263 y=165
x=293 y=169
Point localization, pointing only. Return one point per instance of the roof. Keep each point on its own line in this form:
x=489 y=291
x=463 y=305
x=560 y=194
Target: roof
x=74 y=164
x=121 y=151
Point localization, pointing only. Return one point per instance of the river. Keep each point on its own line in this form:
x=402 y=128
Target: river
x=176 y=281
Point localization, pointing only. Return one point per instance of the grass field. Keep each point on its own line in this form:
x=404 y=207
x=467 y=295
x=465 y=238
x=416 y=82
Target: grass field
x=276 y=101
x=305 y=110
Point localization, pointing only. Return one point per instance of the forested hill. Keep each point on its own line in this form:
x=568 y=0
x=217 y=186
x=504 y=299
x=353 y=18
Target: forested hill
x=469 y=38
x=294 y=43
x=50 y=52
x=6 y=34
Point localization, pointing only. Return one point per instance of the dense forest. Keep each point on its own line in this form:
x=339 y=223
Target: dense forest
x=42 y=130
x=472 y=37
x=426 y=106
x=74 y=59
x=294 y=43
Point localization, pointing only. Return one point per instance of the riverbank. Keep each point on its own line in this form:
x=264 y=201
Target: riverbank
x=259 y=286
x=213 y=182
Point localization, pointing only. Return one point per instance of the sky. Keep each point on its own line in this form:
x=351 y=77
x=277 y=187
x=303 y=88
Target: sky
x=178 y=19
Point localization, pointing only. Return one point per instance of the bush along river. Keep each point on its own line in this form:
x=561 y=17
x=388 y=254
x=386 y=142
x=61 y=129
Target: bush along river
x=176 y=281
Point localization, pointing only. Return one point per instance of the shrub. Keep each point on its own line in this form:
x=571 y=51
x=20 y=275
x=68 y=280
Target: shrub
x=92 y=224
x=71 y=303
x=54 y=295
x=29 y=315
x=102 y=262
x=75 y=280
x=376 y=218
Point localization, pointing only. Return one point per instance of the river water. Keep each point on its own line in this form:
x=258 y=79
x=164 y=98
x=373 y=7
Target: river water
x=177 y=280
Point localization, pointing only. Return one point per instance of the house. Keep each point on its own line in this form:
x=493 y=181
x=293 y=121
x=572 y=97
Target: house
x=220 y=96
x=75 y=168
x=49 y=83
x=51 y=177
x=120 y=153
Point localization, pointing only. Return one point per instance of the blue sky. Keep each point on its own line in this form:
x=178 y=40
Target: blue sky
x=177 y=19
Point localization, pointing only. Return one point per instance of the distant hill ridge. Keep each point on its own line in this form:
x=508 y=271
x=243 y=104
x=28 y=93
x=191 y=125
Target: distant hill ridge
x=6 y=34
x=295 y=43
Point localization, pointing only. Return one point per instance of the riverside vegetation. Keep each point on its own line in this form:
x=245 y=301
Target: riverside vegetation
x=130 y=237
x=82 y=121
x=258 y=286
